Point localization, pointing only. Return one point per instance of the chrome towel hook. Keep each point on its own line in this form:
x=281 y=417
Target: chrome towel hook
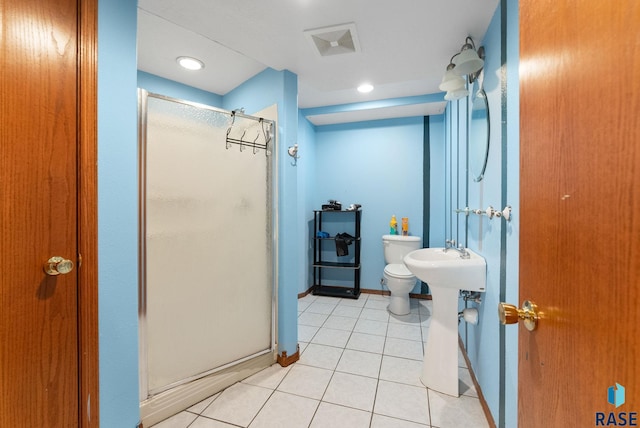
x=293 y=152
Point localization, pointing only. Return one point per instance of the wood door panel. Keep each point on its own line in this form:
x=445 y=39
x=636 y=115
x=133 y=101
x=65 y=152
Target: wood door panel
x=580 y=208
x=38 y=164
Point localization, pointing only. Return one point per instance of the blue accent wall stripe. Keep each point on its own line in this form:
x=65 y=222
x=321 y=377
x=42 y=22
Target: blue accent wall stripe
x=426 y=198
x=426 y=171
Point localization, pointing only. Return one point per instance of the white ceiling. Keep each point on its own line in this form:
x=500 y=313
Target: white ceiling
x=405 y=46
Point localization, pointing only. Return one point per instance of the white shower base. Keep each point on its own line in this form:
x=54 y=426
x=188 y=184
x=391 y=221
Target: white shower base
x=168 y=403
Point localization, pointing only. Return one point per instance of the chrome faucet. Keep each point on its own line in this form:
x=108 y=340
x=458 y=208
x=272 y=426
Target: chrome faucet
x=450 y=244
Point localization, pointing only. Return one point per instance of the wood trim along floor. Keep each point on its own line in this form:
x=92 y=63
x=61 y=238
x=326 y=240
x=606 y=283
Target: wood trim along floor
x=379 y=292
x=285 y=360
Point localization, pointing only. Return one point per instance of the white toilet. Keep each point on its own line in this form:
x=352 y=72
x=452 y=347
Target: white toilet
x=397 y=277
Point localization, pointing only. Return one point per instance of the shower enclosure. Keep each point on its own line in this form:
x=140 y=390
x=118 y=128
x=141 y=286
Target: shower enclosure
x=207 y=295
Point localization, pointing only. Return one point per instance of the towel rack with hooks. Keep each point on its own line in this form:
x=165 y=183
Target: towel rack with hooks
x=489 y=212
x=258 y=135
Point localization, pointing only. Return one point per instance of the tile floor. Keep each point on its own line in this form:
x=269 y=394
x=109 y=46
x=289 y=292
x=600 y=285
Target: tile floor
x=359 y=367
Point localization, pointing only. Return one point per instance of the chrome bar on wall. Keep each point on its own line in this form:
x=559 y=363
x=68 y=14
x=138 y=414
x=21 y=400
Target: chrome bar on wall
x=490 y=212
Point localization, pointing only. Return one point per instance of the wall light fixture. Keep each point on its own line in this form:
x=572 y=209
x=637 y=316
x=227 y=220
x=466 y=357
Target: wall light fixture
x=452 y=83
x=468 y=62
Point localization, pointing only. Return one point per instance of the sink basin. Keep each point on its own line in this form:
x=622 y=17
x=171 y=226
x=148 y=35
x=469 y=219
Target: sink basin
x=446 y=273
x=447 y=269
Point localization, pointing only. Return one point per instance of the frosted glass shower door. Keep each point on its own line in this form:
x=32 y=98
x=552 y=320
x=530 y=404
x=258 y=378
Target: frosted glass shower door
x=208 y=244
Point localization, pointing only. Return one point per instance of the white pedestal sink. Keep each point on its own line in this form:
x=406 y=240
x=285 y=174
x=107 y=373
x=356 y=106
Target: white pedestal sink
x=446 y=273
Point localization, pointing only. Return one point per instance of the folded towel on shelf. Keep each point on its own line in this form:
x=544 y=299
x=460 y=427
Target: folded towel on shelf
x=343 y=240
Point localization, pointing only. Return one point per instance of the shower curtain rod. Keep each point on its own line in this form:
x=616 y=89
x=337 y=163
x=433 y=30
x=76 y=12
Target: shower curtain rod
x=208 y=107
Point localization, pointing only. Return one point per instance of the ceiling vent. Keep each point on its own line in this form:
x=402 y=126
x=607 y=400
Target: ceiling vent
x=335 y=40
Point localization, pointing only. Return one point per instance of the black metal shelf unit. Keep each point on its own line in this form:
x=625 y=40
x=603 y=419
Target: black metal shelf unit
x=331 y=271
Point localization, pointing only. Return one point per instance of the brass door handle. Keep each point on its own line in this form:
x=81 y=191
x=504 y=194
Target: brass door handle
x=511 y=314
x=58 y=266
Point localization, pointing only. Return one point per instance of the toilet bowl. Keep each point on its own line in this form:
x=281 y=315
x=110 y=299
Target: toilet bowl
x=398 y=279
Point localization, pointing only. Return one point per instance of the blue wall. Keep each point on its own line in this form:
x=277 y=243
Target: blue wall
x=484 y=235
x=492 y=348
x=118 y=214
x=307 y=197
x=377 y=164
x=437 y=147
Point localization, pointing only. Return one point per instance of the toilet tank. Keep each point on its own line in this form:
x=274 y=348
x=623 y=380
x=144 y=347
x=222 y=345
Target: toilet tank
x=397 y=246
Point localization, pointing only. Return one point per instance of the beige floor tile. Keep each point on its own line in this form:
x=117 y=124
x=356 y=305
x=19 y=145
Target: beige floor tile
x=307 y=381
x=325 y=357
x=285 y=410
x=333 y=416
x=360 y=363
x=350 y=390
x=238 y=404
x=403 y=402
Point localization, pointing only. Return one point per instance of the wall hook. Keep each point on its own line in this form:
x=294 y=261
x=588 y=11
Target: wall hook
x=293 y=152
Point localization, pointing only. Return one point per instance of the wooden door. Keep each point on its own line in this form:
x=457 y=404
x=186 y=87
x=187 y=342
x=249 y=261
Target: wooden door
x=45 y=111
x=580 y=210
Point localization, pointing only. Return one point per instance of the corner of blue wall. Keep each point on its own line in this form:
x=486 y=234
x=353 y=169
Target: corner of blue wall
x=306 y=201
x=265 y=89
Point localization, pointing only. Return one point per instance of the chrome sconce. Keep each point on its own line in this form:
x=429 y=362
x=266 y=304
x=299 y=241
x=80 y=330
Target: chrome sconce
x=468 y=62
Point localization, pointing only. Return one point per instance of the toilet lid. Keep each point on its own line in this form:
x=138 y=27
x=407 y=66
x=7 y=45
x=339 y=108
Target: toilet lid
x=398 y=270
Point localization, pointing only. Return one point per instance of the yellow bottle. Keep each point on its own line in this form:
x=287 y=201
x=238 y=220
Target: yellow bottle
x=393 y=226
x=405 y=226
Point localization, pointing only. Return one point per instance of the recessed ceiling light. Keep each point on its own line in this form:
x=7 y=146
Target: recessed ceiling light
x=190 y=63
x=365 y=87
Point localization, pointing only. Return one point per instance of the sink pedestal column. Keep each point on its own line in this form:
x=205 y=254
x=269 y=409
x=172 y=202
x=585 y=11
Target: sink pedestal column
x=440 y=367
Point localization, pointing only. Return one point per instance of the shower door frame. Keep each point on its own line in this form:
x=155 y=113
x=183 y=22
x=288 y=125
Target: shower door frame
x=191 y=390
